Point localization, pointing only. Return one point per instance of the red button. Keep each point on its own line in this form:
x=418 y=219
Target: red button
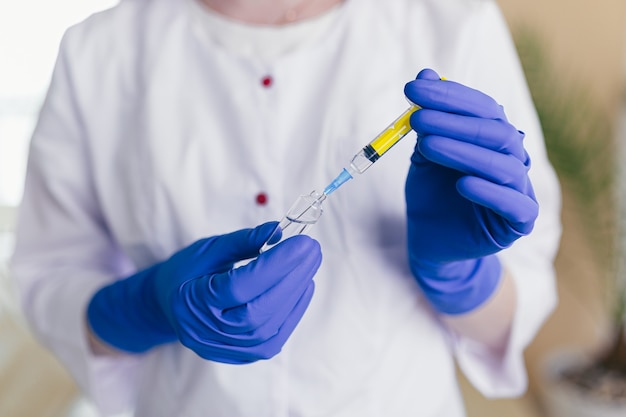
x=266 y=81
x=261 y=199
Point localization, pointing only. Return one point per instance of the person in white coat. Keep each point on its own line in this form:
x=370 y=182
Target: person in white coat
x=176 y=132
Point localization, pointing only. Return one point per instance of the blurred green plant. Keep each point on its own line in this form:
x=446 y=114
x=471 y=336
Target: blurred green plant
x=580 y=138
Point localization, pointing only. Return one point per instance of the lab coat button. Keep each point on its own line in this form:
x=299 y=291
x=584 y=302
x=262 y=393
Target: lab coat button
x=267 y=81
x=261 y=199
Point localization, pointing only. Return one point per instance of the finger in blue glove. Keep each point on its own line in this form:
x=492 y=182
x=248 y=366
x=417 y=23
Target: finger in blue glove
x=225 y=314
x=468 y=193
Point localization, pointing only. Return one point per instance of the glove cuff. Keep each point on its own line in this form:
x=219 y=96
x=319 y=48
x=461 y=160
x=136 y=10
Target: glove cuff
x=126 y=315
x=458 y=287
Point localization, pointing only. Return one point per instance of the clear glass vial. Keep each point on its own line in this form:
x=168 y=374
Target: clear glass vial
x=300 y=217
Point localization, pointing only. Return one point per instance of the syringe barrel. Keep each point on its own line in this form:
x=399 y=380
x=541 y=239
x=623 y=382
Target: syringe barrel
x=398 y=129
x=362 y=160
x=370 y=153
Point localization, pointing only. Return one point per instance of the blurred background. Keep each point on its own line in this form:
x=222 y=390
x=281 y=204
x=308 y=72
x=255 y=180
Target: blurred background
x=573 y=53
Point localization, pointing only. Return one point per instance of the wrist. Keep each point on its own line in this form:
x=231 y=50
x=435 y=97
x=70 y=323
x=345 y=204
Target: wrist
x=458 y=287
x=97 y=346
x=126 y=314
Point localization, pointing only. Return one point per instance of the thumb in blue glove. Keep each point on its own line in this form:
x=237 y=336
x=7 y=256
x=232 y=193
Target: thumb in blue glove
x=225 y=314
x=468 y=193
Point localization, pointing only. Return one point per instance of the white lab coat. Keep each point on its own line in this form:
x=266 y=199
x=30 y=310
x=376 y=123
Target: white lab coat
x=152 y=136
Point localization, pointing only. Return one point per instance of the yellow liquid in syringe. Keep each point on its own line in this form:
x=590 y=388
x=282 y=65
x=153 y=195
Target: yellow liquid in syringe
x=394 y=132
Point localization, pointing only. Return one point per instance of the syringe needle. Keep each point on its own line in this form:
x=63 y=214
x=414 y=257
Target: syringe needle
x=343 y=176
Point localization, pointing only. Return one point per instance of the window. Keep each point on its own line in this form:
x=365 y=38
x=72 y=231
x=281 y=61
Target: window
x=30 y=32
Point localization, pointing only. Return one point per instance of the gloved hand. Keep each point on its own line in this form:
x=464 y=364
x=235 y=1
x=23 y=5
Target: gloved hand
x=468 y=194
x=224 y=314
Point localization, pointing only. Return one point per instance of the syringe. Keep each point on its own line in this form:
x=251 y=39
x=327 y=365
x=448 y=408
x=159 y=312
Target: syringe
x=307 y=209
x=375 y=149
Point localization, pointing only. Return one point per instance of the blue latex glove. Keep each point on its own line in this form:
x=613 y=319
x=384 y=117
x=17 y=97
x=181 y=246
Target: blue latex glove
x=224 y=314
x=468 y=194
